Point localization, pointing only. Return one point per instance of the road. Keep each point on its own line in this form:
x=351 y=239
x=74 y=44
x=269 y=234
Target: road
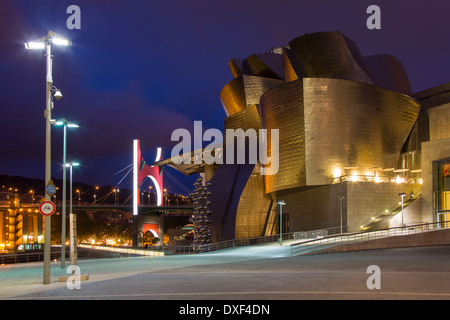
x=250 y=273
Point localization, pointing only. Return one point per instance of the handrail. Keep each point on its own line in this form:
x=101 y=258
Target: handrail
x=26 y=257
x=299 y=247
x=259 y=240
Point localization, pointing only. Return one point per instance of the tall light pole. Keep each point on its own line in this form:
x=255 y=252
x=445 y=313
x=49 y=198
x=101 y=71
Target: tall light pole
x=340 y=198
x=281 y=203
x=402 y=195
x=95 y=194
x=66 y=124
x=46 y=43
x=72 y=221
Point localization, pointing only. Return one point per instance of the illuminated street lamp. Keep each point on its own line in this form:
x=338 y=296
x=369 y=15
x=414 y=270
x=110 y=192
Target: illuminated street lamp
x=340 y=198
x=72 y=221
x=95 y=194
x=66 y=124
x=79 y=196
x=402 y=195
x=46 y=43
x=281 y=204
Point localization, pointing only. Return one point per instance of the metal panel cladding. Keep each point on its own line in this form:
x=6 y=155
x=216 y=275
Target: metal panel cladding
x=282 y=109
x=353 y=124
x=328 y=55
x=329 y=124
x=389 y=73
x=245 y=91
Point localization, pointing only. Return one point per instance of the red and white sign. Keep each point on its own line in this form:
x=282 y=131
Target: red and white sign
x=47 y=208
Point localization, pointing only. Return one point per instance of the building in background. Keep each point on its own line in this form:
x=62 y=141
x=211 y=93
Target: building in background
x=21 y=226
x=431 y=137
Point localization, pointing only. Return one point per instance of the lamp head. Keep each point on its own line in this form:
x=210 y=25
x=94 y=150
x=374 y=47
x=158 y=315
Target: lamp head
x=58 y=95
x=72 y=164
x=51 y=38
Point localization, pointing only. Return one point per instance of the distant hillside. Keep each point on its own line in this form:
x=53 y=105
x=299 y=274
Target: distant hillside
x=20 y=183
x=24 y=185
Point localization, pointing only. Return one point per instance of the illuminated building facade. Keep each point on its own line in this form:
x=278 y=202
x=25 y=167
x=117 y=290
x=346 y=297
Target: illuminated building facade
x=431 y=139
x=350 y=141
x=21 y=228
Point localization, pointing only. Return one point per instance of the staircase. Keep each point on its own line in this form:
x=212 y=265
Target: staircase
x=381 y=219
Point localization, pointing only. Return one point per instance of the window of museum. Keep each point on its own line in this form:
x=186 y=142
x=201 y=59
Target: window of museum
x=441 y=189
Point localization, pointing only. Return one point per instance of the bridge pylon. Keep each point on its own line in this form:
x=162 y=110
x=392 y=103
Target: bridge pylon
x=141 y=170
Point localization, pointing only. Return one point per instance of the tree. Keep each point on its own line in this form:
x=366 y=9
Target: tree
x=149 y=239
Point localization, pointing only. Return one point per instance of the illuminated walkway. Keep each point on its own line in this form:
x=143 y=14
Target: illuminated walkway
x=257 y=272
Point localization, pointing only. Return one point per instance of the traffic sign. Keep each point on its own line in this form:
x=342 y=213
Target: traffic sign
x=50 y=188
x=47 y=208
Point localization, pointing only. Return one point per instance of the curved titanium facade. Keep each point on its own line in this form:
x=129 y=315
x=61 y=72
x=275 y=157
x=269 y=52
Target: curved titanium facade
x=266 y=65
x=289 y=72
x=353 y=124
x=253 y=207
x=389 y=73
x=332 y=124
x=282 y=109
x=328 y=55
x=245 y=91
x=232 y=96
x=226 y=188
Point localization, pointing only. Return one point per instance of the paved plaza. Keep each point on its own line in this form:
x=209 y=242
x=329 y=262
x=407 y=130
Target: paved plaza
x=246 y=273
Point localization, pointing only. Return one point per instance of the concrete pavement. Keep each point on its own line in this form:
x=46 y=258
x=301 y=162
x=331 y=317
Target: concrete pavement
x=255 y=273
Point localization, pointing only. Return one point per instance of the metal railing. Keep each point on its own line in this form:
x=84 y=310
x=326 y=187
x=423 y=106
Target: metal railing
x=27 y=257
x=390 y=178
x=266 y=239
x=300 y=248
x=243 y=242
x=33 y=256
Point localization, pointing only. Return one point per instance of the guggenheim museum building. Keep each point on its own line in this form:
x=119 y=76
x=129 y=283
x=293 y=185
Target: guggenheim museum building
x=355 y=144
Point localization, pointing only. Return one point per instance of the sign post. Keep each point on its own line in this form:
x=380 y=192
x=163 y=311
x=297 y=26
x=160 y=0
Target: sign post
x=47 y=208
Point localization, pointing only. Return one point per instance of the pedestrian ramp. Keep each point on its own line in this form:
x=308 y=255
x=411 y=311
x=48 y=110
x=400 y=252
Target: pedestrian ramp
x=393 y=234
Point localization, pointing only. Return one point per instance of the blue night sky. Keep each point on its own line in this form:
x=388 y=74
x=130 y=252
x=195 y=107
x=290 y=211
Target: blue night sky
x=141 y=69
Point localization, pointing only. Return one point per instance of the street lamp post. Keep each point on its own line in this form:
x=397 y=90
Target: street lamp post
x=72 y=221
x=402 y=195
x=150 y=195
x=281 y=204
x=79 y=196
x=95 y=194
x=46 y=43
x=65 y=124
x=340 y=198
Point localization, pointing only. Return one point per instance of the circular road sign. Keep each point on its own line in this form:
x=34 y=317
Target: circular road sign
x=50 y=188
x=47 y=208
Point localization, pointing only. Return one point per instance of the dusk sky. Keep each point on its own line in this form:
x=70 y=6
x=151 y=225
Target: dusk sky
x=141 y=69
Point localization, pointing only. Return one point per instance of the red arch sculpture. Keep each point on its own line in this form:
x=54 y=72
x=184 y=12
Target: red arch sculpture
x=141 y=170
